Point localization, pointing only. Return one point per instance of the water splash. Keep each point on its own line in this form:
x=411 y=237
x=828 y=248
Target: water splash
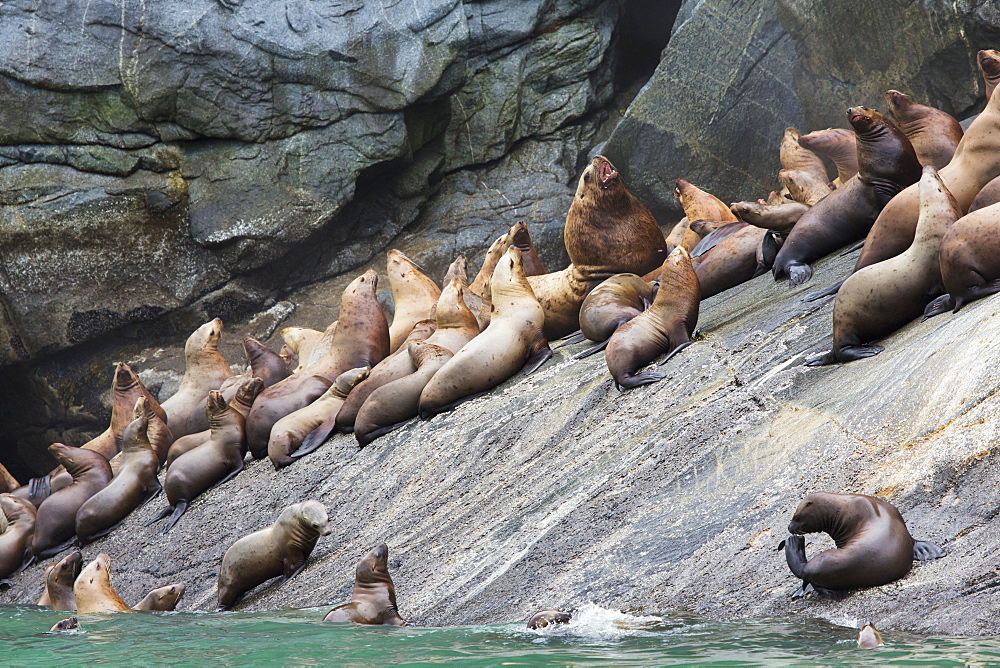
x=593 y=622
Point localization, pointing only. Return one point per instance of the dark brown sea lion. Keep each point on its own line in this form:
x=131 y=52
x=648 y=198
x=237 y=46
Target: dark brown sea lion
x=715 y=237
x=373 y=600
x=59 y=579
x=887 y=164
x=68 y=625
x=840 y=146
x=520 y=237
x=988 y=61
x=162 y=599
x=665 y=328
x=869 y=637
x=241 y=403
x=205 y=369
x=264 y=363
x=794 y=156
x=8 y=483
x=413 y=293
x=15 y=541
x=610 y=305
x=934 y=133
x=803 y=186
x=881 y=298
x=55 y=525
x=280 y=549
x=540 y=620
x=970 y=260
x=93 y=590
x=700 y=205
x=990 y=194
x=742 y=255
x=873 y=545
x=360 y=339
x=778 y=217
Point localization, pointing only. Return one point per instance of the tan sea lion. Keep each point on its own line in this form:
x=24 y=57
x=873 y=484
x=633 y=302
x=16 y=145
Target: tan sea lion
x=683 y=234
x=373 y=600
x=934 y=133
x=55 y=524
x=240 y=403
x=93 y=590
x=512 y=341
x=778 y=217
x=869 y=637
x=794 y=156
x=59 y=579
x=519 y=236
x=988 y=61
x=664 y=328
x=157 y=432
x=970 y=261
x=413 y=293
x=804 y=187
x=838 y=144
x=883 y=297
x=990 y=194
x=289 y=357
x=133 y=486
x=610 y=305
x=493 y=255
x=540 y=620
x=280 y=549
x=700 y=205
x=301 y=341
x=8 y=483
x=15 y=541
x=265 y=363
x=205 y=369
x=162 y=599
x=715 y=237
x=361 y=338
x=873 y=545
x=288 y=432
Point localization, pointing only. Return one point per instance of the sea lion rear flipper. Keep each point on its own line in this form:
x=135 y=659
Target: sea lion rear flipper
x=315 y=438
x=537 y=353
x=178 y=510
x=980 y=291
x=799 y=273
x=592 y=350
x=853 y=247
x=165 y=513
x=832 y=594
x=152 y=495
x=229 y=476
x=674 y=352
x=366 y=439
x=940 y=305
x=291 y=570
x=570 y=339
x=638 y=379
x=925 y=551
x=825 y=292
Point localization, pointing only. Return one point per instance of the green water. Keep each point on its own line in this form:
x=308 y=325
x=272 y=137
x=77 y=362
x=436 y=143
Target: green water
x=597 y=637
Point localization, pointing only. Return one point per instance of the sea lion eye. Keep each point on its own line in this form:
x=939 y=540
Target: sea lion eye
x=586 y=176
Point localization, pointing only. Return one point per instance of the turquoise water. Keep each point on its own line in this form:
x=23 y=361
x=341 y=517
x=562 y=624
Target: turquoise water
x=597 y=637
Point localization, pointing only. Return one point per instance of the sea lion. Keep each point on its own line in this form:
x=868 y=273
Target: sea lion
x=610 y=305
x=887 y=164
x=55 y=524
x=162 y=599
x=540 y=620
x=205 y=369
x=361 y=338
x=512 y=341
x=288 y=432
x=778 y=217
x=700 y=205
x=59 y=579
x=393 y=404
x=493 y=255
x=413 y=294
x=289 y=357
x=157 y=432
x=8 y=483
x=302 y=341
x=881 y=298
x=803 y=186
x=665 y=328
x=240 y=403
x=93 y=590
x=519 y=236
x=746 y=253
x=715 y=237
x=970 y=261
x=988 y=61
x=683 y=235
x=207 y=466
x=265 y=363
x=873 y=545
x=373 y=600
x=934 y=133
x=133 y=486
x=838 y=144
x=15 y=541
x=68 y=625
x=869 y=637
x=280 y=549
x=990 y=194
x=794 y=156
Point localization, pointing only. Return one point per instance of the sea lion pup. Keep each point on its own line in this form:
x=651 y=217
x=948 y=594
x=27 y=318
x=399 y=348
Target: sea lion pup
x=373 y=600
x=59 y=579
x=838 y=144
x=134 y=485
x=395 y=403
x=162 y=599
x=873 y=545
x=15 y=541
x=934 y=133
x=778 y=217
x=700 y=205
x=970 y=263
x=68 y=625
x=988 y=61
x=512 y=341
x=869 y=637
x=519 y=236
x=265 y=363
x=746 y=253
x=207 y=466
x=205 y=369
x=887 y=164
x=413 y=293
x=240 y=403
x=804 y=187
x=610 y=305
x=881 y=298
x=540 y=620
x=55 y=523
x=361 y=338
x=288 y=432
x=280 y=549
x=665 y=328
x=8 y=483
x=93 y=590
x=794 y=156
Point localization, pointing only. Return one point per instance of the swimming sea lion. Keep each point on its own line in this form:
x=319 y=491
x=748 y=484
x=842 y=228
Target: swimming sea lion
x=163 y=599
x=803 y=186
x=934 y=133
x=55 y=524
x=699 y=205
x=205 y=369
x=373 y=600
x=68 y=625
x=778 y=217
x=413 y=294
x=280 y=549
x=610 y=305
x=15 y=541
x=265 y=363
x=881 y=298
x=840 y=146
x=8 y=483
x=664 y=328
x=873 y=545
x=59 y=579
x=93 y=590
x=869 y=637
x=240 y=403
x=540 y=620
x=970 y=260
x=794 y=156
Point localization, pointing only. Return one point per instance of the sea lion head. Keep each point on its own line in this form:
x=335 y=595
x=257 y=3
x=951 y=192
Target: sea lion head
x=215 y=407
x=248 y=391
x=14 y=508
x=312 y=516
x=869 y=637
x=96 y=572
x=458 y=269
x=988 y=61
x=68 y=625
x=518 y=235
x=205 y=338
x=598 y=179
x=747 y=211
x=374 y=566
x=813 y=514
x=253 y=348
x=365 y=283
x=421 y=352
x=167 y=597
x=897 y=102
x=398 y=266
x=125 y=378
x=134 y=435
x=347 y=381
x=66 y=570
x=866 y=121
x=64 y=454
x=540 y=620
x=451 y=309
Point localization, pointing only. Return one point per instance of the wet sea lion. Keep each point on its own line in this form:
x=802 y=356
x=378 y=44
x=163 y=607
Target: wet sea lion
x=93 y=590
x=881 y=298
x=610 y=305
x=970 y=261
x=59 y=579
x=280 y=549
x=55 y=524
x=68 y=625
x=869 y=637
x=162 y=599
x=744 y=254
x=838 y=144
x=887 y=164
x=665 y=328
x=205 y=369
x=513 y=340
x=264 y=363
x=794 y=156
x=700 y=205
x=934 y=133
x=804 y=187
x=361 y=338
x=540 y=620
x=240 y=403
x=778 y=217
x=15 y=541
x=413 y=293
x=8 y=483
x=873 y=545
x=373 y=600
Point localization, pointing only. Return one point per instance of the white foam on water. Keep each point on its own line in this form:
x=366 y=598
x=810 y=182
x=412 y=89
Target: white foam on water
x=593 y=622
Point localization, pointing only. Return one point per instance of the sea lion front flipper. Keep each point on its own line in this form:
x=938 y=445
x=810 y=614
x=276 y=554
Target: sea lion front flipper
x=795 y=555
x=832 y=594
x=853 y=247
x=851 y=353
x=592 y=351
x=822 y=359
x=576 y=337
x=942 y=304
x=768 y=250
x=315 y=438
x=538 y=353
x=925 y=551
x=40 y=487
x=5 y=585
x=799 y=273
x=674 y=352
x=825 y=292
x=638 y=379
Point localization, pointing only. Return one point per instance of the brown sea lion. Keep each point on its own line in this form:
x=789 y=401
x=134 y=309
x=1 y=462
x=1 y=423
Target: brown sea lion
x=68 y=625
x=288 y=432
x=683 y=235
x=15 y=541
x=240 y=403
x=162 y=599
x=869 y=637
x=705 y=227
x=804 y=187
x=157 y=432
x=59 y=579
x=280 y=549
x=93 y=590
x=205 y=369
x=55 y=524
x=373 y=600
x=715 y=237
x=778 y=217
x=361 y=338
x=881 y=298
x=838 y=144
x=665 y=328
x=970 y=261
x=540 y=620
x=746 y=253
x=520 y=237
x=887 y=164
x=517 y=236
x=873 y=545
x=794 y=156
x=265 y=363
x=934 y=133
x=700 y=205
x=512 y=341
x=207 y=466
x=610 y=305
x=988 y=61
x=134 y=485
x=413 y=294
x=8 y=483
